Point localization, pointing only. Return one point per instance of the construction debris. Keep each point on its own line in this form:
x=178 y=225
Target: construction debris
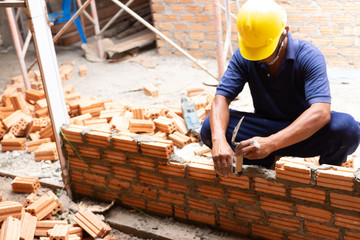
x=25 y=221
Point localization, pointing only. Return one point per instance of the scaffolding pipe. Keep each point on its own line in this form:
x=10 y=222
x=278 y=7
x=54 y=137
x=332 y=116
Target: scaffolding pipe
x=97 y=30
x=219 y=40
x=118 y=14
x=160 y=34
x=17 y=45
x=64 y=28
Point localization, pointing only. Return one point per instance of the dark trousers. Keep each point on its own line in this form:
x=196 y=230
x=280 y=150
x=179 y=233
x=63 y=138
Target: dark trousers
x=333 y=143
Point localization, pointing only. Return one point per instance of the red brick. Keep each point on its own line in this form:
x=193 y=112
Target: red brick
x=201 y=217
x=355 y=31
x=171 y=18
x=95 y=179
x=307 y=29
x=342 y=41
x=248 y=215
x=312 y=213
x=187 y=18
x=133 y=202
x=272 y=187
x=177 y=186
x=295 y=236
x=329 y=30
x=203 y=18
x=170 y=168
x=330 y=7
x=211 y=192
x=308 y=8
x=151 y=179
x=235 y=181
x=115 y=157
x=241 y=197
x=77 y=164
x=158 y=8
x=201 y=172
x=276 y=206
x=161 y=43
x=194 y=9
x=76 y=176
x=166 y=26
x=117 y=184
x=124 y=173
x=196 y=35
x=142 y=162
x=350 y=52
x=83 y=189
x=233 y=226
x=157 y=207
x=321 y=230
x=179 y=35
x=338 y=61
x=284 y=223
x=187 y=1
x=177 y=8
x=331 y=51
x=347 y=221
x=351 y=8
x=208 y=46
x=319 y=41
x=319 y=19
x=181 y=27
x=144 y=191
x=352 y=235
x=176 y=198
x=210 y=36
x=289 y=8
x=194 y=45
x=100 y=169
x=298 y=19
x=308 y=194
x=171 y=1
x=208 y=8
x=347 y=19
x=200 y=205
x=345 y=201
x=197 y=26
x=179 y=212
x=266 y=232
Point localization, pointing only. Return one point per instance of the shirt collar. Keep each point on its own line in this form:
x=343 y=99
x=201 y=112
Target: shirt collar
x=292 y=47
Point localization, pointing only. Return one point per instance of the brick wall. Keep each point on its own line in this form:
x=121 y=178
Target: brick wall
x=296 y=201
x=333 y=26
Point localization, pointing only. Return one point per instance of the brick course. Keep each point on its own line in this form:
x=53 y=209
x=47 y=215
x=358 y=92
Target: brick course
x=256 y=203
x=325 y=23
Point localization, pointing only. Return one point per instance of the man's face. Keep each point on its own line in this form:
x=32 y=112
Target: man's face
x=275 y=55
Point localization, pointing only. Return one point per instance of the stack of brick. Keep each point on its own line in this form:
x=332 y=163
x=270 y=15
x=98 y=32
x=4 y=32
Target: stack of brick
x=25 y=184
x=66 y=71
x=33 y=95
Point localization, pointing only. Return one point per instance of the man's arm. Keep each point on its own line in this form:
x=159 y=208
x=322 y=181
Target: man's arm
x=308 y=123
x=221 y=151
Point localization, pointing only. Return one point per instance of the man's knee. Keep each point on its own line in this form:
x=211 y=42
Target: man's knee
x=346 y=129
x=205 y=133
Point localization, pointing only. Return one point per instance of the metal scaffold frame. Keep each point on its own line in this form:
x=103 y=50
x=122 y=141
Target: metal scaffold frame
x=45 y=52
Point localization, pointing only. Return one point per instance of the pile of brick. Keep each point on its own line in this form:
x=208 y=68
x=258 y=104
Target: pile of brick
x=35 y=217
x=24 y=116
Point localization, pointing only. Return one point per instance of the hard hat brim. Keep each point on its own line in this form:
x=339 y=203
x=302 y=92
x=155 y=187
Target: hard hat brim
x=260 y=53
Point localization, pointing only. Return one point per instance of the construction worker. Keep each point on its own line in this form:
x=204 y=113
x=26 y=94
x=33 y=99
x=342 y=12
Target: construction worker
x=291 y=96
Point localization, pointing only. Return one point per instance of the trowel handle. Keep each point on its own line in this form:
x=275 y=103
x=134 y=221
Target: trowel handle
x=239 y=163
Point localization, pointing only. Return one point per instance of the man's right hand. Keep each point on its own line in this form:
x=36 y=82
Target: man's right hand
x=223 y=156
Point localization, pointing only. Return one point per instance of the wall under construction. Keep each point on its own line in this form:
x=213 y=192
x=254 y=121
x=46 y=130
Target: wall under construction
x=296 y=201
x=333 y=26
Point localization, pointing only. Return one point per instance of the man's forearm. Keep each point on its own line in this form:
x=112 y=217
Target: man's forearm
x=308 y=123
x=219 y=118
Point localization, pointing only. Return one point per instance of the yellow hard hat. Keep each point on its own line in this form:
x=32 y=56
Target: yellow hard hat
x=260 y=24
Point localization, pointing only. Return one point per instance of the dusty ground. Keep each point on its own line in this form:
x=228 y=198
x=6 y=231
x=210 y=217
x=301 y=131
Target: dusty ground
x=123 y=81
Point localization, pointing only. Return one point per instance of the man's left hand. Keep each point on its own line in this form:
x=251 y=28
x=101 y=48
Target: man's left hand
x=256 y=147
